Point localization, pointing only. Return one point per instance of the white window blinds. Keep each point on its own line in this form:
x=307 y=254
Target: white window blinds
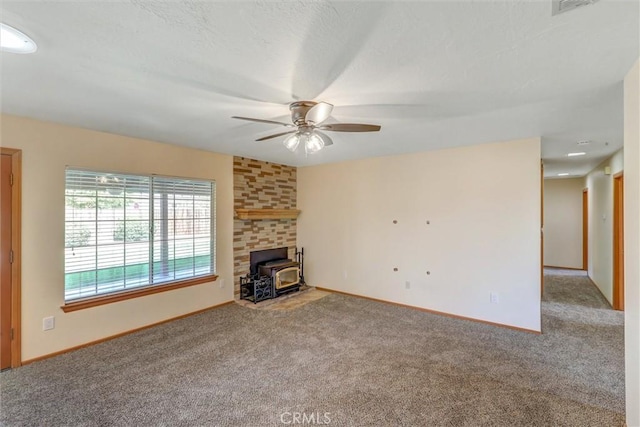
x=127 y=231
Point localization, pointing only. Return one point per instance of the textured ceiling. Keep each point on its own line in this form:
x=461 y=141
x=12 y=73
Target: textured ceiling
x=433 y=74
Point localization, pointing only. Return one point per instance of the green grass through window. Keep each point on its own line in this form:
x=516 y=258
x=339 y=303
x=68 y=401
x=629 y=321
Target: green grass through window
x=132 y=272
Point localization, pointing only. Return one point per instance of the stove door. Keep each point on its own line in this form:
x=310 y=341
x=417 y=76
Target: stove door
x=287 y=277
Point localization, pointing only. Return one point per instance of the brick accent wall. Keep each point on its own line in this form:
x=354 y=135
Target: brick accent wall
x=261 y=185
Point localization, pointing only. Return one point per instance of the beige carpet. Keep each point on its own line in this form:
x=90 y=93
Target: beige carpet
x=348 y=360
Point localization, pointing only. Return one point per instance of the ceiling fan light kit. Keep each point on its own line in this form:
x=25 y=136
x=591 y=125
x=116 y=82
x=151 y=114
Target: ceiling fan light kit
x=312 y=143
x=307 y=117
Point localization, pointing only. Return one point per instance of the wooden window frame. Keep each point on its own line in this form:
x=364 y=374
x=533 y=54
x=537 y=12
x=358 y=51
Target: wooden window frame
x=99 y=300
x=151 y=288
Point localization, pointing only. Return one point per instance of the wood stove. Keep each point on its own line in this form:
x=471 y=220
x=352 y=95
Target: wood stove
x=284 y=274
x=271 y=274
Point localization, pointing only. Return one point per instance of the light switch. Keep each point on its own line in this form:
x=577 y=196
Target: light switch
x=48 y=323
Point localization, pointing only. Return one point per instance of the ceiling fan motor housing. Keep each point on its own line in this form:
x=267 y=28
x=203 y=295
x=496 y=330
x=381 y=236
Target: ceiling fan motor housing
x=299 y=111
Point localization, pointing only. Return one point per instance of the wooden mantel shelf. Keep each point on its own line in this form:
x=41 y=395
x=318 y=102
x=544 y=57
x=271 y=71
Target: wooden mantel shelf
x=267 y=213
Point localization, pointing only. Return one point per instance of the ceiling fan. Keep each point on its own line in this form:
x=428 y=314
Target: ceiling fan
x=307 y=118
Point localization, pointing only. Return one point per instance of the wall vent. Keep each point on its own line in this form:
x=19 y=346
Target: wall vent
x=561 y=6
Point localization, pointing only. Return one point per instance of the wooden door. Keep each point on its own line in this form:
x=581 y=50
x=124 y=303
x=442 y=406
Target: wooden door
x=618 y=242
x=585 y=229
x=5 y=262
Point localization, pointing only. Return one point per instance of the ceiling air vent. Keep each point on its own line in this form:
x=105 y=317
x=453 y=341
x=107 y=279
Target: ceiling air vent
x=561 y=6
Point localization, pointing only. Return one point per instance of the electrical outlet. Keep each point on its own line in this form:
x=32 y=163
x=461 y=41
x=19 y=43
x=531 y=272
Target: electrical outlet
x=344 y=274
x=221 y=284
x=48 y=323
x=494 y=298
x=407 y=285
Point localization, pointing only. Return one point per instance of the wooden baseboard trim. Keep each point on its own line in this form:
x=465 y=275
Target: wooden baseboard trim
x=426 y=310
x=564 y=268
x=121 y=334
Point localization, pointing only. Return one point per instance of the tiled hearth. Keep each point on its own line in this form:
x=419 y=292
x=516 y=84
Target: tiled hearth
x=287 y=302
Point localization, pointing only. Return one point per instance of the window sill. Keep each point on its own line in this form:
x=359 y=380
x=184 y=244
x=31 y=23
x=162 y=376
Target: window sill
x=126 y=295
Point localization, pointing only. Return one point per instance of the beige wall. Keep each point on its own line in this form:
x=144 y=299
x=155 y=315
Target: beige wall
x=483 y=205
x=563 y=222
x=47 y=149
x=601 y=223
x=632 y=242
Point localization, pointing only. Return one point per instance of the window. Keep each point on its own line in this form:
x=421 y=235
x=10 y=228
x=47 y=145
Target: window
x=125 y=232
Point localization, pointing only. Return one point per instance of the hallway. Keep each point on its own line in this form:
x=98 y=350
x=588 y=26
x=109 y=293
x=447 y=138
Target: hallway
x=579 y=320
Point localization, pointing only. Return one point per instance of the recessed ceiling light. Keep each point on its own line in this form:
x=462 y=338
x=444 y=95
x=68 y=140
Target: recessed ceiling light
x=581 y=153
x=563 y=174
x=15 y=41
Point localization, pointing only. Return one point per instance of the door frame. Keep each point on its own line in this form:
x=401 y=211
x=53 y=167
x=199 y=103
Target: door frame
x=16 y=246
x=585 y=229
x=541 y=230
x=618 y=241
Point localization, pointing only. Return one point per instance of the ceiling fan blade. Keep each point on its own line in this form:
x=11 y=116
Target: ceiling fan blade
x=325 y=138
x=350 y=127
x=276 y=135
x=318 y=113
x=273 y=122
